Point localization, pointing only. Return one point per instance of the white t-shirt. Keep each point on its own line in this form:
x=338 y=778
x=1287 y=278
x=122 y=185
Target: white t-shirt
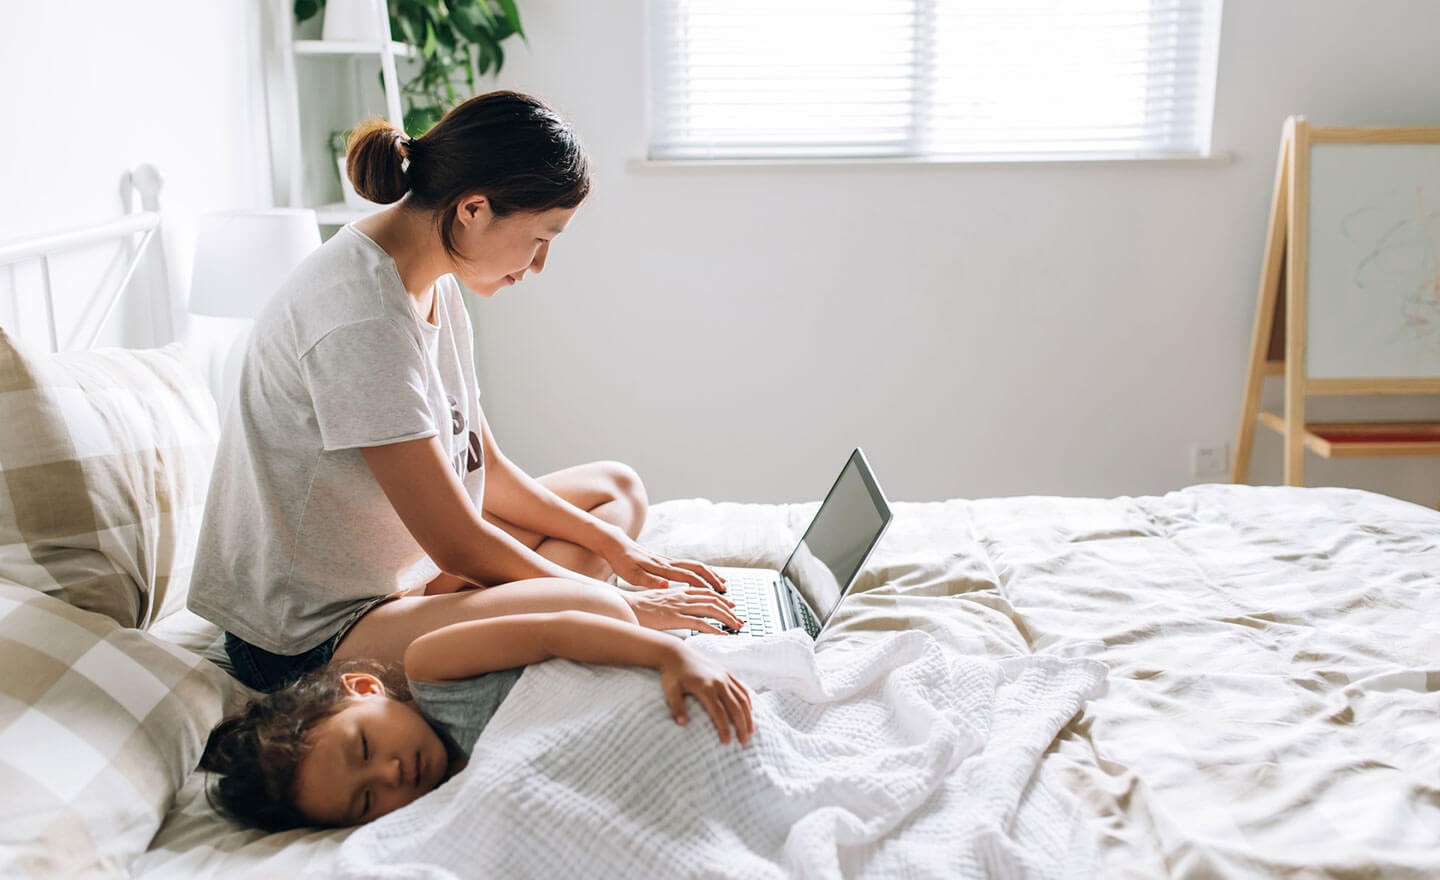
x=298 y=534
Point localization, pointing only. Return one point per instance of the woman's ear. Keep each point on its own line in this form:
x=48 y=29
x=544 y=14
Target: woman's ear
x=472 y=209
x=361 y=684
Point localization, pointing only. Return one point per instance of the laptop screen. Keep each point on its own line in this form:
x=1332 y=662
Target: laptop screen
x=839 y=539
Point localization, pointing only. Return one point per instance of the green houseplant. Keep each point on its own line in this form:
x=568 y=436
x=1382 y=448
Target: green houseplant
x=458 y=41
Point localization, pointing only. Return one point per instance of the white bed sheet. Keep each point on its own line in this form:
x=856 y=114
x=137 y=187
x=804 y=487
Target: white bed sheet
x=1273 y=703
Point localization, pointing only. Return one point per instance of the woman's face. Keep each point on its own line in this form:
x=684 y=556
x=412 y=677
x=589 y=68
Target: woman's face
x=373 y=756
x=496 y=251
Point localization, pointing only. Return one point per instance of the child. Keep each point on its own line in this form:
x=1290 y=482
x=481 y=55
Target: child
x=339 y=747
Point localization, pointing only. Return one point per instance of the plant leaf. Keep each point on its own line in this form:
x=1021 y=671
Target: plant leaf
x=512 y=14
x=484 y=16
x=307 y=9
x=463 y=18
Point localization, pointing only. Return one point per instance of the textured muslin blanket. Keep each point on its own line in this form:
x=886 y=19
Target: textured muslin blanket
x=887 y=756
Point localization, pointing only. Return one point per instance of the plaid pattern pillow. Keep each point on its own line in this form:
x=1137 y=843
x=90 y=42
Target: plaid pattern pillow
x=105 y=460
x=99 y=727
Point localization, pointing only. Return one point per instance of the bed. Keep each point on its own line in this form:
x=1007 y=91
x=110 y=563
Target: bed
x=1223 y=681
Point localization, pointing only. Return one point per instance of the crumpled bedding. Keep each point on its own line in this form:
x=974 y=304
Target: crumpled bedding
x=889 y=757
x=1272 y=702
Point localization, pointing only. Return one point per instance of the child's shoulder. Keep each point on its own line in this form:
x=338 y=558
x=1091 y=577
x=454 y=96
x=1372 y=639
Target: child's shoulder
x=461 y=709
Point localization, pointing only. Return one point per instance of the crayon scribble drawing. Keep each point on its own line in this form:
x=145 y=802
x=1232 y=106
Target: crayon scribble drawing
x=1397 y=238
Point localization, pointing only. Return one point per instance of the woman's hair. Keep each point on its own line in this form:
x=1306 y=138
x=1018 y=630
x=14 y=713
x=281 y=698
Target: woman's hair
x=257 y=751
x=509 y=147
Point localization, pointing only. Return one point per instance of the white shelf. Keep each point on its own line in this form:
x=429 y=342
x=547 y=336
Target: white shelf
x=349 y=47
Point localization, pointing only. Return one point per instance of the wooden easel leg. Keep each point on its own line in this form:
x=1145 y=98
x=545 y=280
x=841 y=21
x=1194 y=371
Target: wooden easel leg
x=1270 y=283
x=1297 y=209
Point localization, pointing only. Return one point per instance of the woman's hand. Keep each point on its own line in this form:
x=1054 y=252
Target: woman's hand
x=682 y=608
x=637 y=566
x=724 y=698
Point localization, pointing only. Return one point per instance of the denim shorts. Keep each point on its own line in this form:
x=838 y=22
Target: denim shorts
x=261 y=670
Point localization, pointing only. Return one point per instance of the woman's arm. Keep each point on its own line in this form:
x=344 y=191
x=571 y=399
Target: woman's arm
x=431 y=501
x=515 y=496
x=465 y=650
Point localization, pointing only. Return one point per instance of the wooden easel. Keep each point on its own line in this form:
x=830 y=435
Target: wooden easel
x=1279 y=343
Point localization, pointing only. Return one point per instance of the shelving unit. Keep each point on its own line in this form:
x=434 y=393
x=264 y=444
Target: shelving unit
x=358 y=61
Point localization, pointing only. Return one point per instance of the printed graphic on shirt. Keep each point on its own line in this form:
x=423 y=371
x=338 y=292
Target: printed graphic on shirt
x=472 y=458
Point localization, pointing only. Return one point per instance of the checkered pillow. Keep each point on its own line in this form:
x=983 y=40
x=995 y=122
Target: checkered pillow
x=99 y=727
x=105 y=460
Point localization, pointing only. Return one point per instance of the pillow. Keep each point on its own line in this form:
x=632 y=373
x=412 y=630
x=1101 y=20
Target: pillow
x=105 y=460
x=99 y=727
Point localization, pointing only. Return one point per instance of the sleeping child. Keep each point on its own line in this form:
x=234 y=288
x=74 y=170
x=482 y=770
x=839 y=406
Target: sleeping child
x=342 y=747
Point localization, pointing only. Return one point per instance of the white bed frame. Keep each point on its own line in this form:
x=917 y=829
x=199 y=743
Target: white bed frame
x=137 y=229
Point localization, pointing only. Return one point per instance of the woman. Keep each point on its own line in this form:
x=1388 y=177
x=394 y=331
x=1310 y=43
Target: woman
x=358 y=492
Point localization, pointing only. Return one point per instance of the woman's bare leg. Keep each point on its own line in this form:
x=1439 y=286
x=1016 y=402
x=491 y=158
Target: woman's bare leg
x=387 y=630
x=608 y=490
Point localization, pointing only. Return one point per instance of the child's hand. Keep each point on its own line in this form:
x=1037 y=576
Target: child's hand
x=723 y=696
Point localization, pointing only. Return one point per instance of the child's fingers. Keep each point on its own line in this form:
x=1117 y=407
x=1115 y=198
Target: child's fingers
x=739 y=715
x=717 y=714
x=675 y=699
x=745 y=708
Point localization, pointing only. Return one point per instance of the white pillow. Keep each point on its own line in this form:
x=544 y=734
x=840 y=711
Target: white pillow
x=105 y=460
x=99 y=727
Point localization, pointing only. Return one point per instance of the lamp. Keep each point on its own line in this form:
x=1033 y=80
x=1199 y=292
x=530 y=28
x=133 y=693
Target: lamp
x=241 y=258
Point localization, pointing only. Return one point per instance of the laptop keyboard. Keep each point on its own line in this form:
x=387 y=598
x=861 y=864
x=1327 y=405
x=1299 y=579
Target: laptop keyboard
x=749 y=592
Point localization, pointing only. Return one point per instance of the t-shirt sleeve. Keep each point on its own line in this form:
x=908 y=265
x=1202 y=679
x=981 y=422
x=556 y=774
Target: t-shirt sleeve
x=368 y=383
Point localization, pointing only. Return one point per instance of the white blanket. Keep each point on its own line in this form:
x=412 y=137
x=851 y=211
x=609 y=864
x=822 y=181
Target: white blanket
x=886 y=756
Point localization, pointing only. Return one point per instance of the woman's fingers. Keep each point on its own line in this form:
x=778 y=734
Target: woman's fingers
x=715 y=606
x=699 y=574
x=661 y=571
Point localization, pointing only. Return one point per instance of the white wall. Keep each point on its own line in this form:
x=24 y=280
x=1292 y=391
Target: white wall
x=985 y=330
x=93 y=88
x=980 y=330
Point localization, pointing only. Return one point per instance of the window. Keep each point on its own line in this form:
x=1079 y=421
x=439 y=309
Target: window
x=932 y=79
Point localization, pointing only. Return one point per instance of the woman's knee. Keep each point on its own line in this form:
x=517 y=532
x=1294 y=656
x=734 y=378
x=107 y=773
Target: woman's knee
x=629 y=501
x=607 y=602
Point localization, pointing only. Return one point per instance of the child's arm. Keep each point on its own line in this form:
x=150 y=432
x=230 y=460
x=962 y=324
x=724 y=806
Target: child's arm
x=475 y=647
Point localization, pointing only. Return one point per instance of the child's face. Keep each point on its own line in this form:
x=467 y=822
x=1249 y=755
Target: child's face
x=373 y=756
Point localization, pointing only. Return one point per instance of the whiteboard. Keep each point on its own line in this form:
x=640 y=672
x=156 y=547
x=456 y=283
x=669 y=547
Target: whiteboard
x=1373 y=261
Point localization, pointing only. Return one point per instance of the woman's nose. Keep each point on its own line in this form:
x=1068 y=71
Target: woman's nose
x=538 y=264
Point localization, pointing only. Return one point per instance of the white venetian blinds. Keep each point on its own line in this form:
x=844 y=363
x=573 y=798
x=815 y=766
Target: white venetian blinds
x=931 y=78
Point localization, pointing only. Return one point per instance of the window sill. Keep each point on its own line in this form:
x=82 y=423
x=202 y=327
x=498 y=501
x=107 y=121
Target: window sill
x=652 y=166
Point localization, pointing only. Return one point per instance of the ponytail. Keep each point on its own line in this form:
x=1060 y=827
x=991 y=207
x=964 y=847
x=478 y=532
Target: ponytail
x=375 y=161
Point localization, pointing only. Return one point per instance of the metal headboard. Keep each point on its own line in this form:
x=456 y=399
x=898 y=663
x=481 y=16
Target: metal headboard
x=144 y=181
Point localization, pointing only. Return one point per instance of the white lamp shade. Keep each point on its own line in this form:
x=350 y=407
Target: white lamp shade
x=241 y=257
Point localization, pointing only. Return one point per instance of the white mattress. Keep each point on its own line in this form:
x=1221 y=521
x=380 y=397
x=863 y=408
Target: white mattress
x=1273 y=701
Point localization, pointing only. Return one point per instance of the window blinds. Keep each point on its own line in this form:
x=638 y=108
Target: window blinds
x=942 y=79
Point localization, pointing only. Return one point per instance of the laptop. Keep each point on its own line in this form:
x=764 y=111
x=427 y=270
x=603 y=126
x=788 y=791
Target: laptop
x=822 y=567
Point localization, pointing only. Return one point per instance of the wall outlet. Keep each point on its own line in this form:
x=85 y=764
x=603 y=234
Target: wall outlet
x=1209 y=459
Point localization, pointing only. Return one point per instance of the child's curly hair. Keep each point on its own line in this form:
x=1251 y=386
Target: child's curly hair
x=256 y=751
